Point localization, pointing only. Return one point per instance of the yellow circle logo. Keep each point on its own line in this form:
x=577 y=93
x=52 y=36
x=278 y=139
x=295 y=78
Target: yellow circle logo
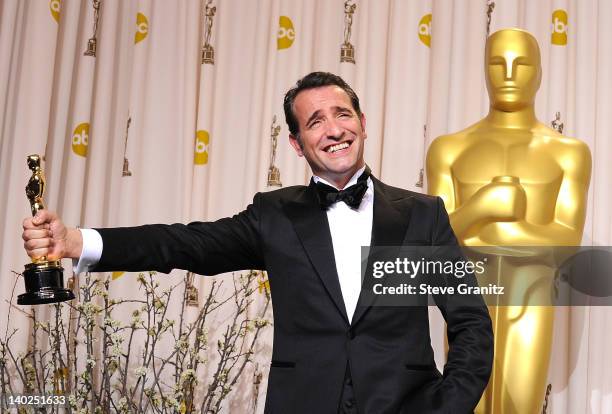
x=559 y=28
x=142 y=27
x=80 y=139
x=200 y=155
x=55 y=6
x=425 y=30
x=286 y=33
x=117 y=275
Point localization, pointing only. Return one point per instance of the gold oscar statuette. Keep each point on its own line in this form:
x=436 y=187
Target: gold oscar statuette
x=347 y=50
x=44 y=279
x=490 y=7
x=512 y=182
x=208 y=52
x=191 y=292
x=274 y=179
x=422 y=171
x=93 y=41
x=126 y=163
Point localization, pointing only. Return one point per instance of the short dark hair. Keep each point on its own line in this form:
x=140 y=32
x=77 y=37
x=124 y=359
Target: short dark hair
x=311 y=81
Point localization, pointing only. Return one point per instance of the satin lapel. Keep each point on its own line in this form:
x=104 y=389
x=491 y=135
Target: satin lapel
x=389 y=226
x=311 y=225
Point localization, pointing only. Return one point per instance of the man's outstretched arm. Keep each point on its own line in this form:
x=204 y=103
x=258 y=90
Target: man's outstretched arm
x=205 y=248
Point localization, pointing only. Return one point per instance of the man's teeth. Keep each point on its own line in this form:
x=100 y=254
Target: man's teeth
x=338 y=147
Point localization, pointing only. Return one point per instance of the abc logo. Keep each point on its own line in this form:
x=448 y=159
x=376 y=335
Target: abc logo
x=142 y=27
x=117 y=275
x=200 y=155
x=80 y=139
x=286 y=33
x=55 y=6
x=425 y=30
x=559 y=27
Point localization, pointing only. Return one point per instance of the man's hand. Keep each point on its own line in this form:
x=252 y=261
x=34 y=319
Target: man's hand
x=46 y=235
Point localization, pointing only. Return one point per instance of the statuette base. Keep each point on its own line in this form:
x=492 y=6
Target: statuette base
x=274 y=177
x=208 y=55
x=44 y=283
x=91 y=47
x=347 y=53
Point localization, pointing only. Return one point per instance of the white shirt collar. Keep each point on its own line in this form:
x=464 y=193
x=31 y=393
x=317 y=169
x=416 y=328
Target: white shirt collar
x=352 y=181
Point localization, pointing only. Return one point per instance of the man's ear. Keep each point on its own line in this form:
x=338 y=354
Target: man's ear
x=296 y=144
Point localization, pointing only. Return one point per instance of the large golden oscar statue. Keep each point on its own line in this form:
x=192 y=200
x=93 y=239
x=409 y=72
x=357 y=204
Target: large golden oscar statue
x=509 y=180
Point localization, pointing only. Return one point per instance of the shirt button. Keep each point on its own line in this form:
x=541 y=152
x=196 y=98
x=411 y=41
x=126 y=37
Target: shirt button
x=350 y=334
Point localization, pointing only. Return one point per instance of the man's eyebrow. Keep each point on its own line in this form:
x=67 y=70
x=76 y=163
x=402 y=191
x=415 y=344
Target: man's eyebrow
x=336 y=109
x=313 y=116
x=341 y=109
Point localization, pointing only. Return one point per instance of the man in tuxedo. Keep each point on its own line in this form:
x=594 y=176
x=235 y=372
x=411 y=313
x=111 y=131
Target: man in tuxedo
x=333 y=351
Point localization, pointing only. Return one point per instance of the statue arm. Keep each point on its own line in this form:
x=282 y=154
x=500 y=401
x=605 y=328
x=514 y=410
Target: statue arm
x=439 y=178
x=570 y=209
x=440 y=183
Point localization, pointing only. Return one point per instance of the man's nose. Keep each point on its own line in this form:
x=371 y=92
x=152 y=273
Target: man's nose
x=333 y=130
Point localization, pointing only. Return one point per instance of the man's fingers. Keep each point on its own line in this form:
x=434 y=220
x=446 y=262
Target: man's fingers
x=39 y=238
x=35 y=234
x=38 y=253
x=44 y=216
x=28 y=223
x=36 y=244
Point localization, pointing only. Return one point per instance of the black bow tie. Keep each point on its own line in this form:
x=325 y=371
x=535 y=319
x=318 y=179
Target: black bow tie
x=352 y=195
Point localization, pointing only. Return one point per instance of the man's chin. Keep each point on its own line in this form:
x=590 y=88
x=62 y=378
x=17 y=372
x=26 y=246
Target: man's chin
x=346 y=172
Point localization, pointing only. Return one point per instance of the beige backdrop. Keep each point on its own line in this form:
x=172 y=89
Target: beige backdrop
x=199 y=140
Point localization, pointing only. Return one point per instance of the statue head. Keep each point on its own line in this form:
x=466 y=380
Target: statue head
x=512 y=69
x=33 y=162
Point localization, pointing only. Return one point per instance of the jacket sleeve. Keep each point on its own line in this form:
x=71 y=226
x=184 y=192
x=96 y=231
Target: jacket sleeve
x=469 y=331
x=228 y=244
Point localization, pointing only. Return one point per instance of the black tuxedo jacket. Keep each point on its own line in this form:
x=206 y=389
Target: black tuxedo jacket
x=388 y=349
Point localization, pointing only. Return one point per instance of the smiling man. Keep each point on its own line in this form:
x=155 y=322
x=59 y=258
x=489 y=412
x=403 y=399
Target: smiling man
x=333 y=351
x=327 y=127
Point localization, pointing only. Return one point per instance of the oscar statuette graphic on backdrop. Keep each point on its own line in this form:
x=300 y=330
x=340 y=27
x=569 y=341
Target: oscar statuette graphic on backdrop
x=44 y=279
x=347 y=50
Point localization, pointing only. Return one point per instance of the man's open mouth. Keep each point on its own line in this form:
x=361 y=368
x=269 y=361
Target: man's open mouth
x=337 y=147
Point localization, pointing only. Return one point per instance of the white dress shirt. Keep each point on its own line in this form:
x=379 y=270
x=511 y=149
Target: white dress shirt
x=91 y=253
x=350 y=229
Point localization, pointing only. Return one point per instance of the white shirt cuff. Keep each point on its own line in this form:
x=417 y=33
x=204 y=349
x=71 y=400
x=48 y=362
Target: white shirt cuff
x=91 y=253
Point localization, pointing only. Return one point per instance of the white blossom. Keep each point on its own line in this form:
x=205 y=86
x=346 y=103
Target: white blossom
x=122 y=405
x=141 y=371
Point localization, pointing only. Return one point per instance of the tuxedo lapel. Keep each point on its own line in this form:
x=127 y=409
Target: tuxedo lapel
x=390 y=223
x=311 y=225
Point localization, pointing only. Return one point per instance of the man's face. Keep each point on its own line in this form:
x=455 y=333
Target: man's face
x=512 y=68
x=331 y=134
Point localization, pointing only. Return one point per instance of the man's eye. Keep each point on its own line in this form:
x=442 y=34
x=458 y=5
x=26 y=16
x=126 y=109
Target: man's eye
x=314 y=124
x=343 y=115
